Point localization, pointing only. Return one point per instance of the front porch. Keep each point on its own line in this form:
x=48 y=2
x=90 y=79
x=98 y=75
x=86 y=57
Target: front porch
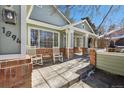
x=59 y=75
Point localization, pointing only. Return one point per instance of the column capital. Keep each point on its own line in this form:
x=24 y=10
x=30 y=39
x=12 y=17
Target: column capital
x=87 y=35
x=71 y=30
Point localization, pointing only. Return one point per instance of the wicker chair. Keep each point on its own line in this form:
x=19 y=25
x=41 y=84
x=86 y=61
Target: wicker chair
x=57 y=54
x=36 y=59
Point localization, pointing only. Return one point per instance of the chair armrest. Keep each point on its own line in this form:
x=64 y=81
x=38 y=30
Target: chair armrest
x=39 y=55
x=34 y=56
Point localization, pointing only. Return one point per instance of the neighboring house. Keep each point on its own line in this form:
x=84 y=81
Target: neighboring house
x=116 y=36
x=48 y=28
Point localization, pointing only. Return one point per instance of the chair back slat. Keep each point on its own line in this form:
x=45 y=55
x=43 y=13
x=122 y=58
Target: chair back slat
x=56 y=51
x=31 y=51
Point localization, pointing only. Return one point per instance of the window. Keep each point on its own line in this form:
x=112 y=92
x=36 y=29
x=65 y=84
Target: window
x=55 y=39
x=34 y=37
x=44 y=39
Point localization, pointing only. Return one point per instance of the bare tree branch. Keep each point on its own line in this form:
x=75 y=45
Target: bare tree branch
x=105 y=17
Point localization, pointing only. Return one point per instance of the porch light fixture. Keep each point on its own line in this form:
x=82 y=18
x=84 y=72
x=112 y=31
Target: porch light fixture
x=9 y=16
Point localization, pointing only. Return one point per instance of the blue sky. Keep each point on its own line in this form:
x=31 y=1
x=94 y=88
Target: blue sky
x=115 y=17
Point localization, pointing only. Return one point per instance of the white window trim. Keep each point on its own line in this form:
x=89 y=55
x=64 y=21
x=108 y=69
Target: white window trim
x=42 y=29
x=23 y=38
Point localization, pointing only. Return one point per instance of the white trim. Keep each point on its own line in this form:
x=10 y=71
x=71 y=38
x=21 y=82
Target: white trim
x=23 y=30
x=29 y=13
x=23 y=38
x=62 y=14
x=30 y=21
x=34 y=22
x=90 y=26
x=42 y=29
x=86 y=40
x=79 y=22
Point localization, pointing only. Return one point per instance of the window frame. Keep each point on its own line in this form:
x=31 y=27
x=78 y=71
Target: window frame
x=45 y=30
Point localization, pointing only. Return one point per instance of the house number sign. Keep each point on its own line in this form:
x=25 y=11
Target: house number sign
x=11 y=35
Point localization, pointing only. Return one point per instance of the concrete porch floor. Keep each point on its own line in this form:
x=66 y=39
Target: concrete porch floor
x=60 y=75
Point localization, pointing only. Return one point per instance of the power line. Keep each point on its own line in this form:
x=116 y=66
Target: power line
x=105 y=17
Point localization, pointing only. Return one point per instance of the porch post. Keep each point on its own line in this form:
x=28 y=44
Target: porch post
x=96 y=41
x=70 y=42
x=86 y=41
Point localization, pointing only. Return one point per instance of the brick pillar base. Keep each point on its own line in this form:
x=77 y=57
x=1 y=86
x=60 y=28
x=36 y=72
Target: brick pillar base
x=92 y=56
x=84 y=51
x=71 y=53
x=65 y=53
x=16 y=73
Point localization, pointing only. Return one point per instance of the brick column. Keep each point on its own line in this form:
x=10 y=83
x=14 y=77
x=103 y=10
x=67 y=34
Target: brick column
x=84 y=51
x=92 y=56
x=16 y=73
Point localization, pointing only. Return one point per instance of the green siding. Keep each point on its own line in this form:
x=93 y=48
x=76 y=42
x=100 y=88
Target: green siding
x=111 y=63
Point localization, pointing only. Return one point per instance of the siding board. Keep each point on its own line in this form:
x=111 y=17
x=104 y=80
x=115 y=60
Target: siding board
x=111 y=63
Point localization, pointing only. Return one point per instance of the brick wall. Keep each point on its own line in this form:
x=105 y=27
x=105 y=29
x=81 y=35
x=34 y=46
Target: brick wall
x=92 y=56
x=64 y=51
x=77 y=50
x=84 y=51
x=15 y=73
x=45 y=51
x=71 y=53
x=49 y=51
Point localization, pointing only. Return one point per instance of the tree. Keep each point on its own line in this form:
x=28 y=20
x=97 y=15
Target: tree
x=105 y=17
x=101 y=30
x=111 y=27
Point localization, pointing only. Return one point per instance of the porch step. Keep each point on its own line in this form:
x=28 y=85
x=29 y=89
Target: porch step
x=84 y=71
x=71 y=77
x=80 y=84
x=58 y=76
x=64 y=80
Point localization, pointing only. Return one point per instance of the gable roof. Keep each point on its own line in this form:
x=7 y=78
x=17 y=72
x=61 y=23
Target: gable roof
x=54 y=26
x=54 y=7
x=84 y=20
